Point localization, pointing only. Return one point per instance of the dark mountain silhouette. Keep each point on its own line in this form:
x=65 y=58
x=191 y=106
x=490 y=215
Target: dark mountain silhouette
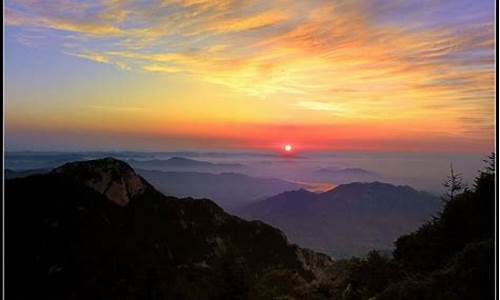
x=97 y=230
x=350 y=219
x=183 y=164
x=229 y=190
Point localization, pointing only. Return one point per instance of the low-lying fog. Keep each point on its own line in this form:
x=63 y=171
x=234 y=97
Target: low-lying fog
x=316 y=171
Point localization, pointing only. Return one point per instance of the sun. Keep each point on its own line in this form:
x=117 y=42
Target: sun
x=288 y=148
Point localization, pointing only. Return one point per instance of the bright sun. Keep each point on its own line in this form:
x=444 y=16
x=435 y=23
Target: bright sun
x=288 y=147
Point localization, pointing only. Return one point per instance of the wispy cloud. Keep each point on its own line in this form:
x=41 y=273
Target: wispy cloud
x=322 y=106
x=114 y=108
x=375 y=58
x=90 y=56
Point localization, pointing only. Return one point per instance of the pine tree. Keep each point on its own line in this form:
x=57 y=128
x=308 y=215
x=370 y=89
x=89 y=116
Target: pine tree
x=490 y=168
x=453 y=185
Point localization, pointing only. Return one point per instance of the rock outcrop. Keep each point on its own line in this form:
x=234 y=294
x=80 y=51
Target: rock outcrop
x=96 y=230
x=110 y=177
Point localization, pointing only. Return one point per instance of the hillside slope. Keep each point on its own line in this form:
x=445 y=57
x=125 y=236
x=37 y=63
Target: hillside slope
x=351 y=219
x=229 y=190
x=450 y=257
x=97 y=230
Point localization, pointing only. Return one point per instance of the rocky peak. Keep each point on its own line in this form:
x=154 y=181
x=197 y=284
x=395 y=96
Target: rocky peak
x=111 y=177
x=314 y=262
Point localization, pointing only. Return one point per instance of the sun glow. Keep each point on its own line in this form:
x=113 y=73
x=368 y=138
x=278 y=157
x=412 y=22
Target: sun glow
x=288 y=148
x=228 y=74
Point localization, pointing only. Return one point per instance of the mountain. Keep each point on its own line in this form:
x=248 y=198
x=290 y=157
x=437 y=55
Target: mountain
x=174 y=162
x=38 y=160
x=350 y=219
x=8 y=173
x=229 y=190
x=452 y=256
x=345 y=175
x=97 y=230
x=183 y=164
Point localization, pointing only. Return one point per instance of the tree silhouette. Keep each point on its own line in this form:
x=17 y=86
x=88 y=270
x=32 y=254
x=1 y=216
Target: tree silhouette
x=490 y=168
x=453 y=185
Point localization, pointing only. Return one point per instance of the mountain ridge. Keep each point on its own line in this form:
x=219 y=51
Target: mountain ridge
x=108 y=176
x=350 y=219
x=80 y=241
x=181 y=163
x=230 y=190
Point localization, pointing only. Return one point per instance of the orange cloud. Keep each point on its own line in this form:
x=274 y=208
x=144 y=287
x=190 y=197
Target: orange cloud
x=327 y=60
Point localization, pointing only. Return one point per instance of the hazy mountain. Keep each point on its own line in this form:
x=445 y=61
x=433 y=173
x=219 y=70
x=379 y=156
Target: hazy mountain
x=183 y=164
x=38 y=160
x=229 y=190
x=345 y=175
x=8 y=173
x=350 y=219
x=450 y=257
x=33 y=160
x=97 y=230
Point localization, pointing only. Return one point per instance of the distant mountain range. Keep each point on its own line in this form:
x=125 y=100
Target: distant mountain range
x=229 y=190
x=317 y=221
x=8 y=173
x=38 y=160
x=345 y=175
x=48 y=160
x=183 y=164
x=97 y=230
x=350 y=219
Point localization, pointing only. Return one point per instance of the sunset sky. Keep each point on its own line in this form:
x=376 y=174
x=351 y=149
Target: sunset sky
x=372 y=75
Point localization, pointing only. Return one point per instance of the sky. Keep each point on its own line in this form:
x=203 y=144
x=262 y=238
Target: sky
x=378 y=75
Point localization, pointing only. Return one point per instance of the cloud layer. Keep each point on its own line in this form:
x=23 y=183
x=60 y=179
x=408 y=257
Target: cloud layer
x=358 y=61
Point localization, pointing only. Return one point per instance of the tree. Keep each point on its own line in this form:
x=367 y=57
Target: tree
x=490 y=168
x=453 y=185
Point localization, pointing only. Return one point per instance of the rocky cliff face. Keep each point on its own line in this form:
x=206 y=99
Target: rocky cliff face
x=97 y=230
x=110 y=177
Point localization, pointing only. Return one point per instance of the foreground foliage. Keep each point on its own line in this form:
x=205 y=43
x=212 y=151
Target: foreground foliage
x=450 y=257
